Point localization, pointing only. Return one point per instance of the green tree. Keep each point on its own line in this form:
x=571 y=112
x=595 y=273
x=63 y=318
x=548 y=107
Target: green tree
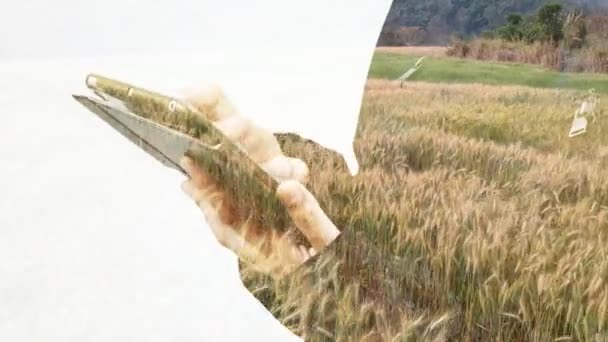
x=469 y=18
x=515 y=19
x=513 y=30
x=533 y=32
x=551 y=22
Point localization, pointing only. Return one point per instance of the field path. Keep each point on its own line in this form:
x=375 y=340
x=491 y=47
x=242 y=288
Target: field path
x=429 y=51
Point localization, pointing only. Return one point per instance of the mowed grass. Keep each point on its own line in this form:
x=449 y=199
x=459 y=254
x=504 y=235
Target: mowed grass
x=499 y=220
x=454 y=70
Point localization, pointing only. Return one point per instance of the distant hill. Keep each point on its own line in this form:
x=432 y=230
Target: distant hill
x=430 y=22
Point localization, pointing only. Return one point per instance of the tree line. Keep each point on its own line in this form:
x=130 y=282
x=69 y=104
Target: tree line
x=414 y=22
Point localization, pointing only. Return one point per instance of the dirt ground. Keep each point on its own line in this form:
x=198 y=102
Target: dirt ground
x=431 y=51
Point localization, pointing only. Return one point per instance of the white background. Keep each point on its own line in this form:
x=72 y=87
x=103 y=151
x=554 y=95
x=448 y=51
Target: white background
x=97 y=242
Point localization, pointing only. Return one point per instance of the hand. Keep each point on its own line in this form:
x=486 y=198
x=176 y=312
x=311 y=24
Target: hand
x=220 y=211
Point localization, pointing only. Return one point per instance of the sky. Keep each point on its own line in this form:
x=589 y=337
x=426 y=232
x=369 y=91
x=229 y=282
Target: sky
x=97 y=241
x=38 y=29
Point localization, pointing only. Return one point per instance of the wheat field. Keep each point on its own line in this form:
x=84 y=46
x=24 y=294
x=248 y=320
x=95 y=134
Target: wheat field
x=498 y=218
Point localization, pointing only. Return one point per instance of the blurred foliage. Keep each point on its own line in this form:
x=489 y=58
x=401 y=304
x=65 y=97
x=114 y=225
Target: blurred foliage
x=440 y=20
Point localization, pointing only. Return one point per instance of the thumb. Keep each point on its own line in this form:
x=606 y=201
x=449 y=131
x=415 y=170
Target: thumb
x=307 y=215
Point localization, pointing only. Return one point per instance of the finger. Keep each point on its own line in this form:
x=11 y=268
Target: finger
x=223 y=232
x=198 y=195
x=199 y=177
x=219 y=216
x=260 y=144
x=234 y=127
x=285 y=168
x=307 y=214
x=218 y=199
x=211 y=102
x=202 y=186
x=245 y=241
